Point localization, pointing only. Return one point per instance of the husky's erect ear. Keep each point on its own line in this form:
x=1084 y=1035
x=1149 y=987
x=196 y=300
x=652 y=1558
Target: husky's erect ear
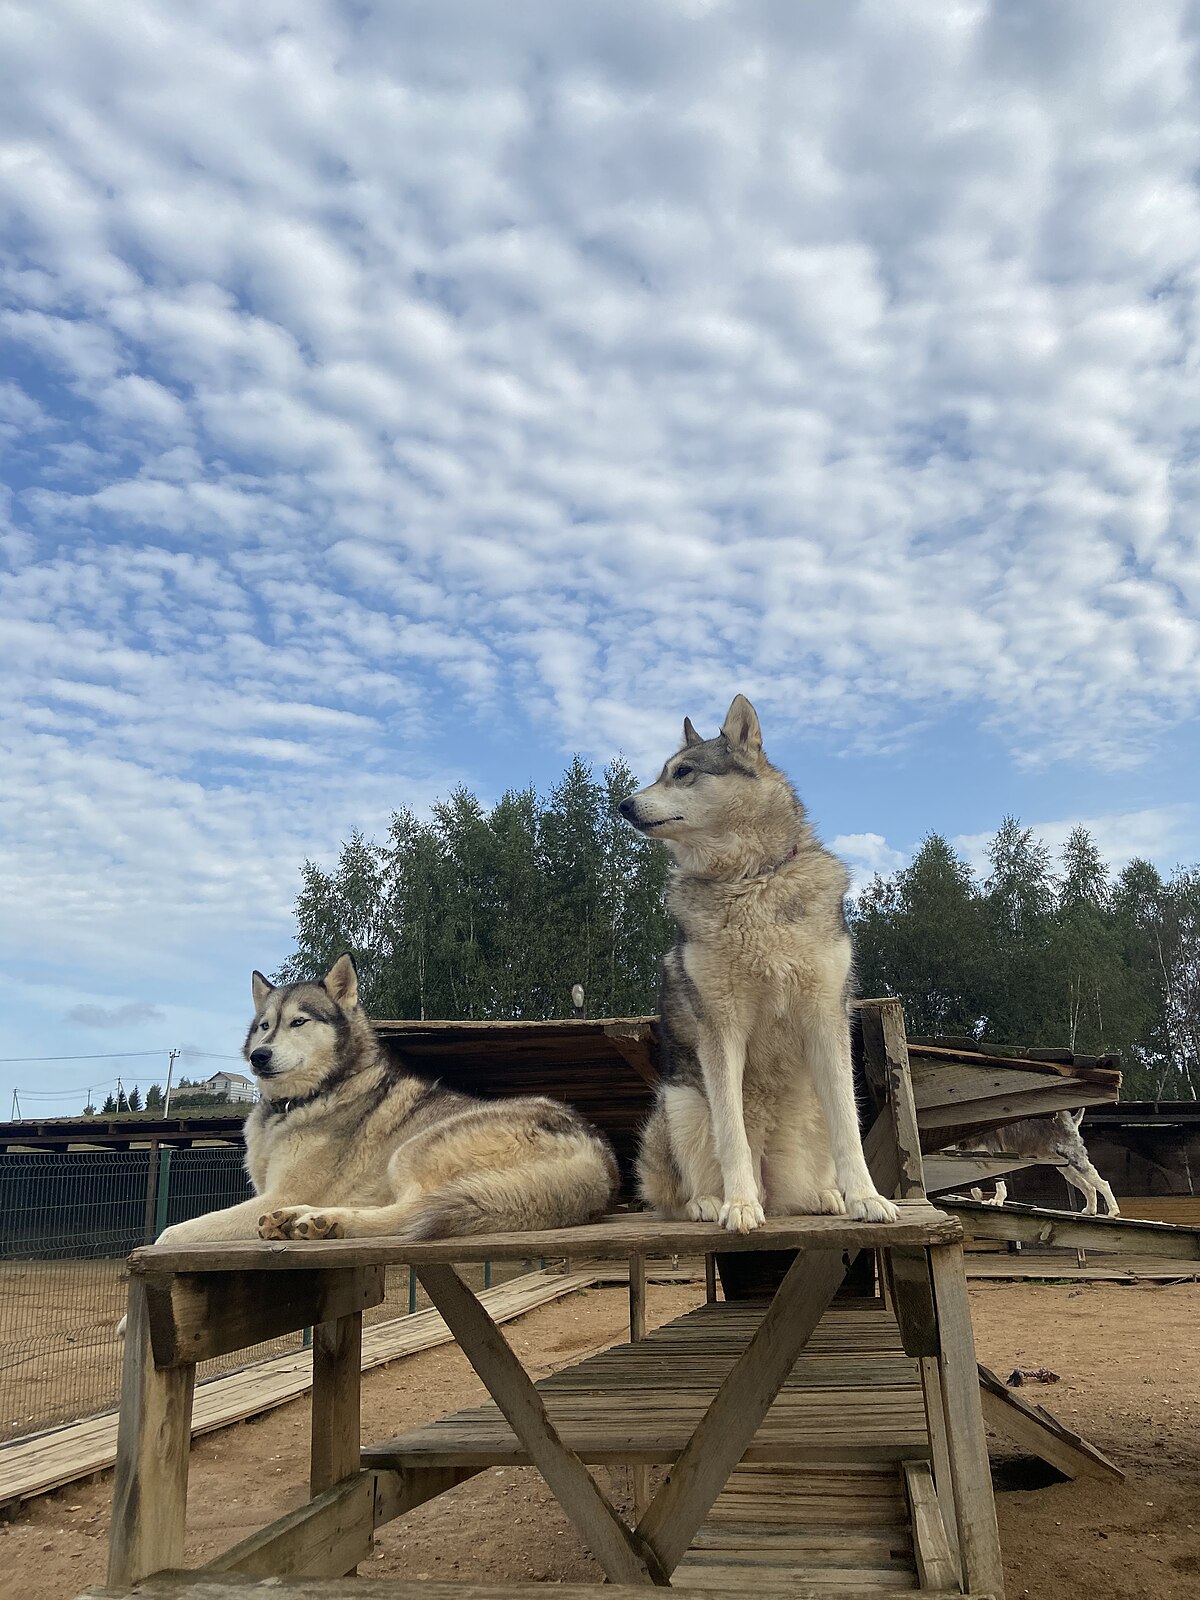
x=690 y=736
x=260 y=988
x=1077 y=1117
x=341 y=981
x=741 y=726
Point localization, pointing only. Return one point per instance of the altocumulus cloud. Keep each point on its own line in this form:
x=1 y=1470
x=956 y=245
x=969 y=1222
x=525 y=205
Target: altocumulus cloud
x=556 y=367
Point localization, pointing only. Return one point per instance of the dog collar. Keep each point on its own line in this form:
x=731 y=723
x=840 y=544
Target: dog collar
x=769 y=872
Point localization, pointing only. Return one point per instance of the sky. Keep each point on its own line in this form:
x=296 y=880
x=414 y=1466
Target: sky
x=395 y=396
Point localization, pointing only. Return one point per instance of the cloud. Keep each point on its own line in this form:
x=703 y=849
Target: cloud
x=379 y=379
x=130 y=1015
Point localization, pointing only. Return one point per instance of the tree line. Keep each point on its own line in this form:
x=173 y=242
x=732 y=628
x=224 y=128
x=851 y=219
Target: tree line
x=479 y=913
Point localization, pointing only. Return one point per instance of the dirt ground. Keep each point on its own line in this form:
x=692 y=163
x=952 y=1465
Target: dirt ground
x=1129 y=1362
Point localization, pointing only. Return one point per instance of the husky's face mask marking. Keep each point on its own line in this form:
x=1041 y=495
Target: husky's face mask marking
x=699 y=786
x=293 y=1042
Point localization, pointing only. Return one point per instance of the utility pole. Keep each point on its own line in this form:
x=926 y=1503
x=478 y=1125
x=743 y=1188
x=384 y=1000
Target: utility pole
x=172 y=1057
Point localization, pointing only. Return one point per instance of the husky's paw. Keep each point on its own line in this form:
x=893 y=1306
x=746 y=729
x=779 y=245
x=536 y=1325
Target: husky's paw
x=317 y=1225
x=870 y=1208
x=278 y=1224
x=298 y=1222
x=830 y=1203
x=707 y=1208
x=742 y=1216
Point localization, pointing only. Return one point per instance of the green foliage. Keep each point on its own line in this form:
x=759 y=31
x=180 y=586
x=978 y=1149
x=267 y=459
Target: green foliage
x=154 y=1100
x=109 y=1109
x=476 y=913
x=1029 y=956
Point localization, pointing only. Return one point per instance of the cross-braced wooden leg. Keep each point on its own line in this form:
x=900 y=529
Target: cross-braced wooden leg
x=966 y=1439
x=154 y=1437
x=619 y=1551
x=739 y=1406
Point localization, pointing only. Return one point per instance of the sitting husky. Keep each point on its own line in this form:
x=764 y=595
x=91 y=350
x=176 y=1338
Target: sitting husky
x=345 y=1143
x=756 y=1112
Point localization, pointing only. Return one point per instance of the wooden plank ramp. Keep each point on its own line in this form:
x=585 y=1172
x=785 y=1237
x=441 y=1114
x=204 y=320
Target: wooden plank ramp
x=46 y=1461
x=852 y=1396
x=198 y=1586
x=1036 y=1266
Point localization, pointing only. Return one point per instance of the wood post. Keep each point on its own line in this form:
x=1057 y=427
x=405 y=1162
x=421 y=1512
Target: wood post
x=154 y=1437
x=336 y=1408
x=639 y=1474
x=966 y=1439
x=710 y=1278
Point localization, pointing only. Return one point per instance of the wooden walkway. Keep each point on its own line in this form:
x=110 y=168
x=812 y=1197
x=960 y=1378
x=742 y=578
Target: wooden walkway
x=820 y=1492
x=34 y=1466
x=1035 y=1267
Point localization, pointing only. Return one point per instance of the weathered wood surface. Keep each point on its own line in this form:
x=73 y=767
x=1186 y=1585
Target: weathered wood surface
x=186 y=1586
x=620 y=1236
x=851 y=1394
x=841 y=1529
x=937 y=1566
x=1037 y=1430
x=196 y=1316
x=336 y=1402
x=740 y=1404
x=153 y=1443
x=49 y=1460
x=966 y=1440
x=326 y=1537
x=621 y=1553
x=1072 y=1229
x=945 y=1169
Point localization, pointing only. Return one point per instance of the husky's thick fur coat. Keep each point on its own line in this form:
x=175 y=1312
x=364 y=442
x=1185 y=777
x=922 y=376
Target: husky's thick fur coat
x=1049 y=1139
x=756 y=1112
x=345 y=1143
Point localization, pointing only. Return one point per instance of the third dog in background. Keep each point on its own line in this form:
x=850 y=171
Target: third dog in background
x=756 y=1111
x=1050 y=1139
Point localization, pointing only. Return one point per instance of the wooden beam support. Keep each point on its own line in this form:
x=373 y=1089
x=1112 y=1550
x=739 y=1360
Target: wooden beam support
x=154 y=1438
x=1032 y=1225
x=622 y=1554
x=937 y=1567
x=912 y=1300
x=739 y=1406
x=1035 y=1429
x=966 y=1439
x=194 y=1316
x=325 y=1538
x=336 y=1407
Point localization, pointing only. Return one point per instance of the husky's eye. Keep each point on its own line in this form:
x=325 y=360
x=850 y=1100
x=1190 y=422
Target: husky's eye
x=684 y=771
x=298 y=1022
x=263 y=1024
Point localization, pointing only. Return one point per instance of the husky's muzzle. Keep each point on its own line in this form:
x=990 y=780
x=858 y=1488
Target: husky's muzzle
x=260 y=1062
x=628 y=809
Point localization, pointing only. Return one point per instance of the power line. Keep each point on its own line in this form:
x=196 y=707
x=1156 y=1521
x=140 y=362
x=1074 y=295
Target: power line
x=112 y=1055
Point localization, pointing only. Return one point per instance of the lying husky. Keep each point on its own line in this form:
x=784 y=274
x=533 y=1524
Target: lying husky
x=756 y=1112
x=345 y=1143
x=1049 y=1139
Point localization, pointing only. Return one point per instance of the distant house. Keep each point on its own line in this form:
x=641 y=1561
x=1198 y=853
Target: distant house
x=234 y=1086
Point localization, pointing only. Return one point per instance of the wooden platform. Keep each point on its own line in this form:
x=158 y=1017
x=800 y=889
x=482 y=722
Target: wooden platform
x=1033 y=1266
x=202 y=1586
x=852 y=1396
x=34 y=1466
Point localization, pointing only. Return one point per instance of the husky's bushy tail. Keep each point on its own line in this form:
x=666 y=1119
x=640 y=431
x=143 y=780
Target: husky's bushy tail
x=558 y=1190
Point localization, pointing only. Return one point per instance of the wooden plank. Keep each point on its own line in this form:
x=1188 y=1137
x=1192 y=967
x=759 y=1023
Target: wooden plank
x=153 y=1441
x=194 y=1316
x=1072 y=1229
x=710 y=1278
x=975 y=1510
x=1097 y=1269
x=740 y=1405
x=637 y=1298
x=1039 y=1431
x=399 y=1492
x=620 y=1552
x=912 y=1301
x=936 y=1566
x=336 y=1410
x=617 y=1237
x=946 y=1169
x=327 y=1537
x=635 y=1044
x=181 y=1586
x=935 y=1422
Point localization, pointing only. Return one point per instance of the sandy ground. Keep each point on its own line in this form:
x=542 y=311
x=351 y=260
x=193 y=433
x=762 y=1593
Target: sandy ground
x=1130 y=1368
